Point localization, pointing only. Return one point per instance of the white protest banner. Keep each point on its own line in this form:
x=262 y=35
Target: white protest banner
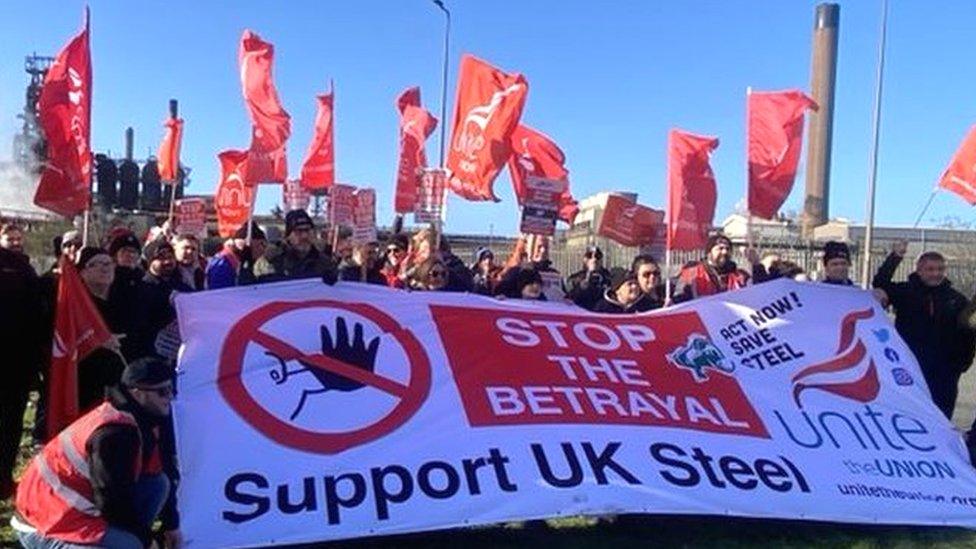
x=364 y=217
x=541 y=208
x=342 y=203
x=308 y=412
x=294 y=196
x=430 y=196
x=190 y=216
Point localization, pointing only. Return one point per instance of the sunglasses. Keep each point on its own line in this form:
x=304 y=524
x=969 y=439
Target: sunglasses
x=651 y=273
x=158 y=391
x=591 y=255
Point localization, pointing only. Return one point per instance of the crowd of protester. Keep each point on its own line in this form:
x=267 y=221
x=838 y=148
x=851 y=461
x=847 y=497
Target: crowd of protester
x=126 y=386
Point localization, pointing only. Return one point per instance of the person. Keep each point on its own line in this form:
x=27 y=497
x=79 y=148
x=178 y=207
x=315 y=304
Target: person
x=529 y=285
x=648 y=274
x=484 y=272
x=837 y=264
x=21 y=338
x=431 y=275
x=12 y=238
x=586 y=287
x=104 y=480
x=362 y=265
x=186 y=249
x=928 y=316
x=233 y=265
x=296 y=257
x=622 y=295
x=714 y=274
x=459 y=276
x=125 y=250
x=155 y=297
x=103 y=367
x=394 y=260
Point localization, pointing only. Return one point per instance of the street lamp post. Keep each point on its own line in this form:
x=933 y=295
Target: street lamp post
x=447 y=38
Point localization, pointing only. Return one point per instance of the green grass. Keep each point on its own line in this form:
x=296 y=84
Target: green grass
x=638 y=531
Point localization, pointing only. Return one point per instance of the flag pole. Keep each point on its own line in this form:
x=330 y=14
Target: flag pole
x=84 y=225
x=173 y=113
x=87 y=218
x=667 y=235
x=925 y=208
x=749 y=237
x=447 y=51
x=872 y=181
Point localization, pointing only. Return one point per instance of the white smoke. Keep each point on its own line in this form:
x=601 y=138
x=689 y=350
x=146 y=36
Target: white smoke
x=17 y=188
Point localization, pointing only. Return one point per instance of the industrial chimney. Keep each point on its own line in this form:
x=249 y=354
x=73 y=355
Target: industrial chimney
x=816 y=206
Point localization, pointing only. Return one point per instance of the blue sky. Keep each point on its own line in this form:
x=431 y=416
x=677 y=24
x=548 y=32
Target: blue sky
x=606 y=81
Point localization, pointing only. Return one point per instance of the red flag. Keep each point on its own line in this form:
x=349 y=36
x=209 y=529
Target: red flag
x=630 y=223
x=691 y=190
x=64 y=108
x=271 y=125
x=534 y=153
x=318 y=170
x=416 y=125
x=960 y=176
x=487 y=109
x=775 y=122
x=78 y=330
x=234 y=199
x=169 y=150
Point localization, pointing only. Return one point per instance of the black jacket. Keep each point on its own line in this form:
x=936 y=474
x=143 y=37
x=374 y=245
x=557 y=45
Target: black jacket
x=112 y=452
x=352 y=272
x=22 y=329
x=929 y=319
x=283 y=262
x=586 y=289
x=155 y=312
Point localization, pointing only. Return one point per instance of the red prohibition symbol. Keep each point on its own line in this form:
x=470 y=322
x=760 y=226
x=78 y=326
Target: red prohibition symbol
x=248 y=330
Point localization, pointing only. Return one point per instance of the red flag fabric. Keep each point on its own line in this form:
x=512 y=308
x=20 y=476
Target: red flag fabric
x=960 y=176
x=234 y=198
x=64 y=112
x=691 y=190
x=775 y=122
x=318 y=170
x=630 y=223
x=534 y=153
x=416 y=125
x=271 y=125
x=487 y=109
x=169 y=150
x=78 y=330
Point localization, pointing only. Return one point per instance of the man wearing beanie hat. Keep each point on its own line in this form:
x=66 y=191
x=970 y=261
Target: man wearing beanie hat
x=714 y=274
x=156 y=310
x=117 y=463
x=234 y=264
x=296 y=257
x=622 y=295
x=837 y=264
x=484 y=271
x=587 y=286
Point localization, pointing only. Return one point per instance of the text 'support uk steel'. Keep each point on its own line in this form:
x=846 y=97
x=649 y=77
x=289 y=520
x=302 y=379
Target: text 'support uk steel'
x=335 y=412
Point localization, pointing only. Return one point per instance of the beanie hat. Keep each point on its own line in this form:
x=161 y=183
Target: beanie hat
x=836 y=250
x=87 y=253
x=400 y=241
x=155 y=248
x=70 y=236
x=123 y=240
x=716 y=239
x=526 y=277
x=147 y=371
x=256 y=232
x=481 y=253
x=620 y=277
x=297 y=219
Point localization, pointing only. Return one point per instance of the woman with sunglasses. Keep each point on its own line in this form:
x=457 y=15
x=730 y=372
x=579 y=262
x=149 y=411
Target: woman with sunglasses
x=648 y=274
x=431 y=275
